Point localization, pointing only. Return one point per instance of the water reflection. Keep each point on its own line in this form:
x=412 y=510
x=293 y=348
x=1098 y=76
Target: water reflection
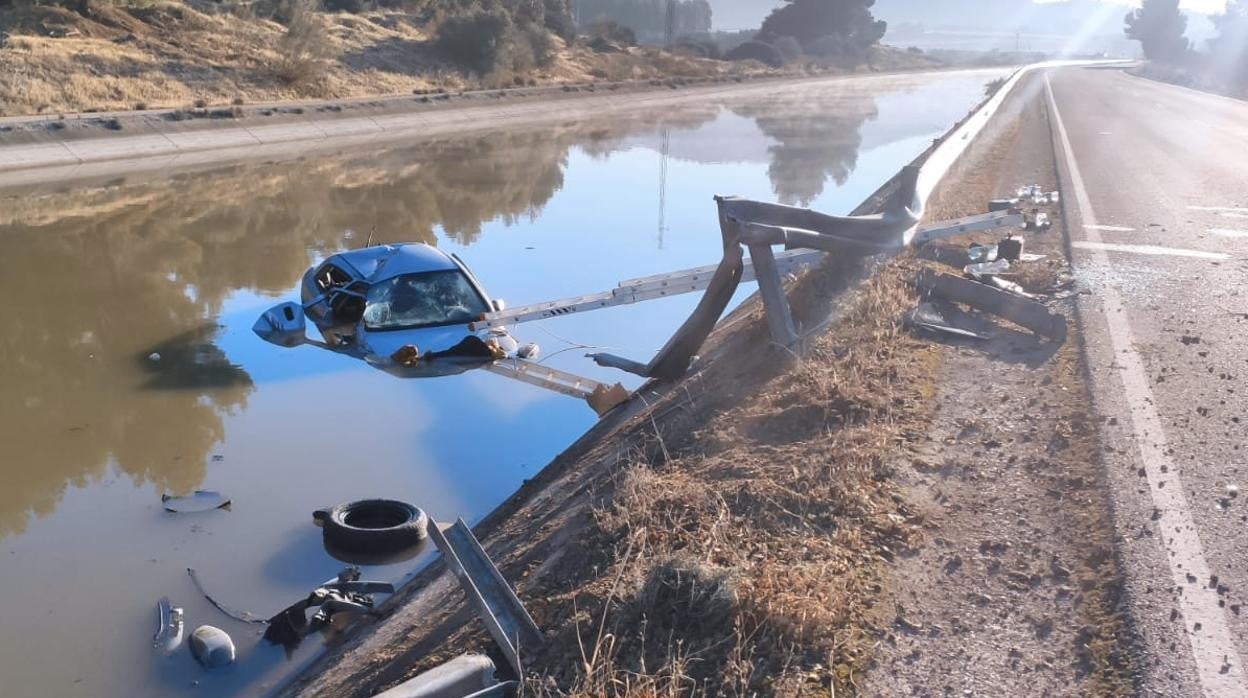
x=108 y=276
x=811 y=151
x=98 y=279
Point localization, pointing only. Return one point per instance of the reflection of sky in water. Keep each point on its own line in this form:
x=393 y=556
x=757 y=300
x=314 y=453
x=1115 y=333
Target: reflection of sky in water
x=95 y=433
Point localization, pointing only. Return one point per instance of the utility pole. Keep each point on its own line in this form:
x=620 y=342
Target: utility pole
x=665 y=143
x=669 y=24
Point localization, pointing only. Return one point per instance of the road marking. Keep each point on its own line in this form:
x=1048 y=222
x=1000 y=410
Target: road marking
x=1227 y=214
x=1219 y=209
x=1218 y=664
x=1228 y=233
x=1098 y=246
x=1109 y=228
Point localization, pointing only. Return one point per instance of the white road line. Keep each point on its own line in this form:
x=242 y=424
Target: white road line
x=1110 y=228
x=1096 y=245
x=1217 y=660
x=1228 y=233
x=1218 y=209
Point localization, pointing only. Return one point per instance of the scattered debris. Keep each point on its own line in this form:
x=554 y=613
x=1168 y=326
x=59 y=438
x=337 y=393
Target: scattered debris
x=196 y=502
x=1010 y=248
x=1189 y=339
x=929 y=317
x=979 y=254
x=212 y=646
x=241 y=617
x=169 y=628
x=153 y=356
x=1021 y=311
x=1001 y=205
x=987 y=269
x=1038 y=221
x=344 y=593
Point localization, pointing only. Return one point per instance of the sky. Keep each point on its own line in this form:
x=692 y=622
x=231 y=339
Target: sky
x=1206 y=6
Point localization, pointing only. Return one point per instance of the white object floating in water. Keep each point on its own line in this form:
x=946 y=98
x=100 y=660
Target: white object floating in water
x=153 y=356
x=212 y=646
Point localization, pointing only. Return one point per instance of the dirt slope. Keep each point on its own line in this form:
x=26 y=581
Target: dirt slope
x=174 y=54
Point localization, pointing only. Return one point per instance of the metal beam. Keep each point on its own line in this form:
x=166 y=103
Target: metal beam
x=504 y=616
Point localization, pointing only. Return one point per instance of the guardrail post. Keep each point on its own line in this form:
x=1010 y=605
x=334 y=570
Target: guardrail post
x=776 y=305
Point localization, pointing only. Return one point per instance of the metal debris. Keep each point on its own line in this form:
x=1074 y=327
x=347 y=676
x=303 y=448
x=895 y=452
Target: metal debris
x=1021 y=311
x=344 y=593
x=196 y=502
x=929 y=317
x=465 y=675
x=987 y=269
x=504 y=616
x=169 y=627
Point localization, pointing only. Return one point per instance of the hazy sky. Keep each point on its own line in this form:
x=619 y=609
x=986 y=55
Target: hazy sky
x=1210 y=6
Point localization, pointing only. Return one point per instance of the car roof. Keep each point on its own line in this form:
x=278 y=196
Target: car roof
x=381 y=262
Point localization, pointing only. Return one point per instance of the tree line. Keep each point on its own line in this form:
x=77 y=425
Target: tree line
x=1161 y=28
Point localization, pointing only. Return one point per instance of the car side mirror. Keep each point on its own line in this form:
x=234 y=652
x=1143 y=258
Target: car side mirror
x=499 y=305
x=283 y=325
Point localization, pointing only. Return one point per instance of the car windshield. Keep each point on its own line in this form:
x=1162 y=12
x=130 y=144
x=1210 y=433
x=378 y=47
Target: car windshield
x=422 y=300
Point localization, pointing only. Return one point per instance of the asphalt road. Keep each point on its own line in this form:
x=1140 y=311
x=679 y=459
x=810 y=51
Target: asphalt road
x=1155 y=179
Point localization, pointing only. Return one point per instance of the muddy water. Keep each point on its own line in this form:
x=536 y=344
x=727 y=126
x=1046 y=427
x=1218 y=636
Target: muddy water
x=128 y=369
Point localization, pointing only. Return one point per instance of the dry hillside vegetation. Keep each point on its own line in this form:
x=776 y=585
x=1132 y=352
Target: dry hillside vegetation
x=172 y=54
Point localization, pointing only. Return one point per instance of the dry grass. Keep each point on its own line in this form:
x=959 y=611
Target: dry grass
x=167 y=54
x=736 y=555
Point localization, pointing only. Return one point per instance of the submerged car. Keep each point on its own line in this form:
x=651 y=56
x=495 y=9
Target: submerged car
x=405 y=309
x=408 y=310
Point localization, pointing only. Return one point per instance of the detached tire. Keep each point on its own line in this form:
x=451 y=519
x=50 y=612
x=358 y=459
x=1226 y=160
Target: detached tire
x=373 y=526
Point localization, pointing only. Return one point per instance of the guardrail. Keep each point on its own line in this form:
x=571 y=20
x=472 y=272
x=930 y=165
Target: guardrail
x=759 y=226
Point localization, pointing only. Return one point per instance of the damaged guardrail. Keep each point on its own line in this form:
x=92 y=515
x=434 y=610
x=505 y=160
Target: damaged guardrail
x=759 y=226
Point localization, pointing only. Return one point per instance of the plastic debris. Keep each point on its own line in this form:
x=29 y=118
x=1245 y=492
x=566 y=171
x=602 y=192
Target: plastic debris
x=983 y=269
x=212 y=646
x=196 y=502
x=154 y=356
x=169 y=627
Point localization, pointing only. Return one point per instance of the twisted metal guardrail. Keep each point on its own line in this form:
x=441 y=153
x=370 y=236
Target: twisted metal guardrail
x=758 y=227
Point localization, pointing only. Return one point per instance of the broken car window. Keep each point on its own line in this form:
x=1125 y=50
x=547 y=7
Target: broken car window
x=422 y=300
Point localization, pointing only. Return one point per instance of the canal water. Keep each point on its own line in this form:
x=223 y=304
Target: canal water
x=128 y=368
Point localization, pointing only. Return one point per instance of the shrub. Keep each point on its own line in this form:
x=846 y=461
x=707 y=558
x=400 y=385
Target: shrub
x=475 y=39
x=613 y=31
x=699 y=48
x=540 y=43
x=757 y=51
x=305 y=48
x=788 y=48
x=560 y=22
x=352 y=6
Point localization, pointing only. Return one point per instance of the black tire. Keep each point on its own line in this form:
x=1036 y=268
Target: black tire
x=373 y=526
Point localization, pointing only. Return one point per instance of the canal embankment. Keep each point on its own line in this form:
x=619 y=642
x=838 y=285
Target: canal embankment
x=37 y=151
x=766 y=523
